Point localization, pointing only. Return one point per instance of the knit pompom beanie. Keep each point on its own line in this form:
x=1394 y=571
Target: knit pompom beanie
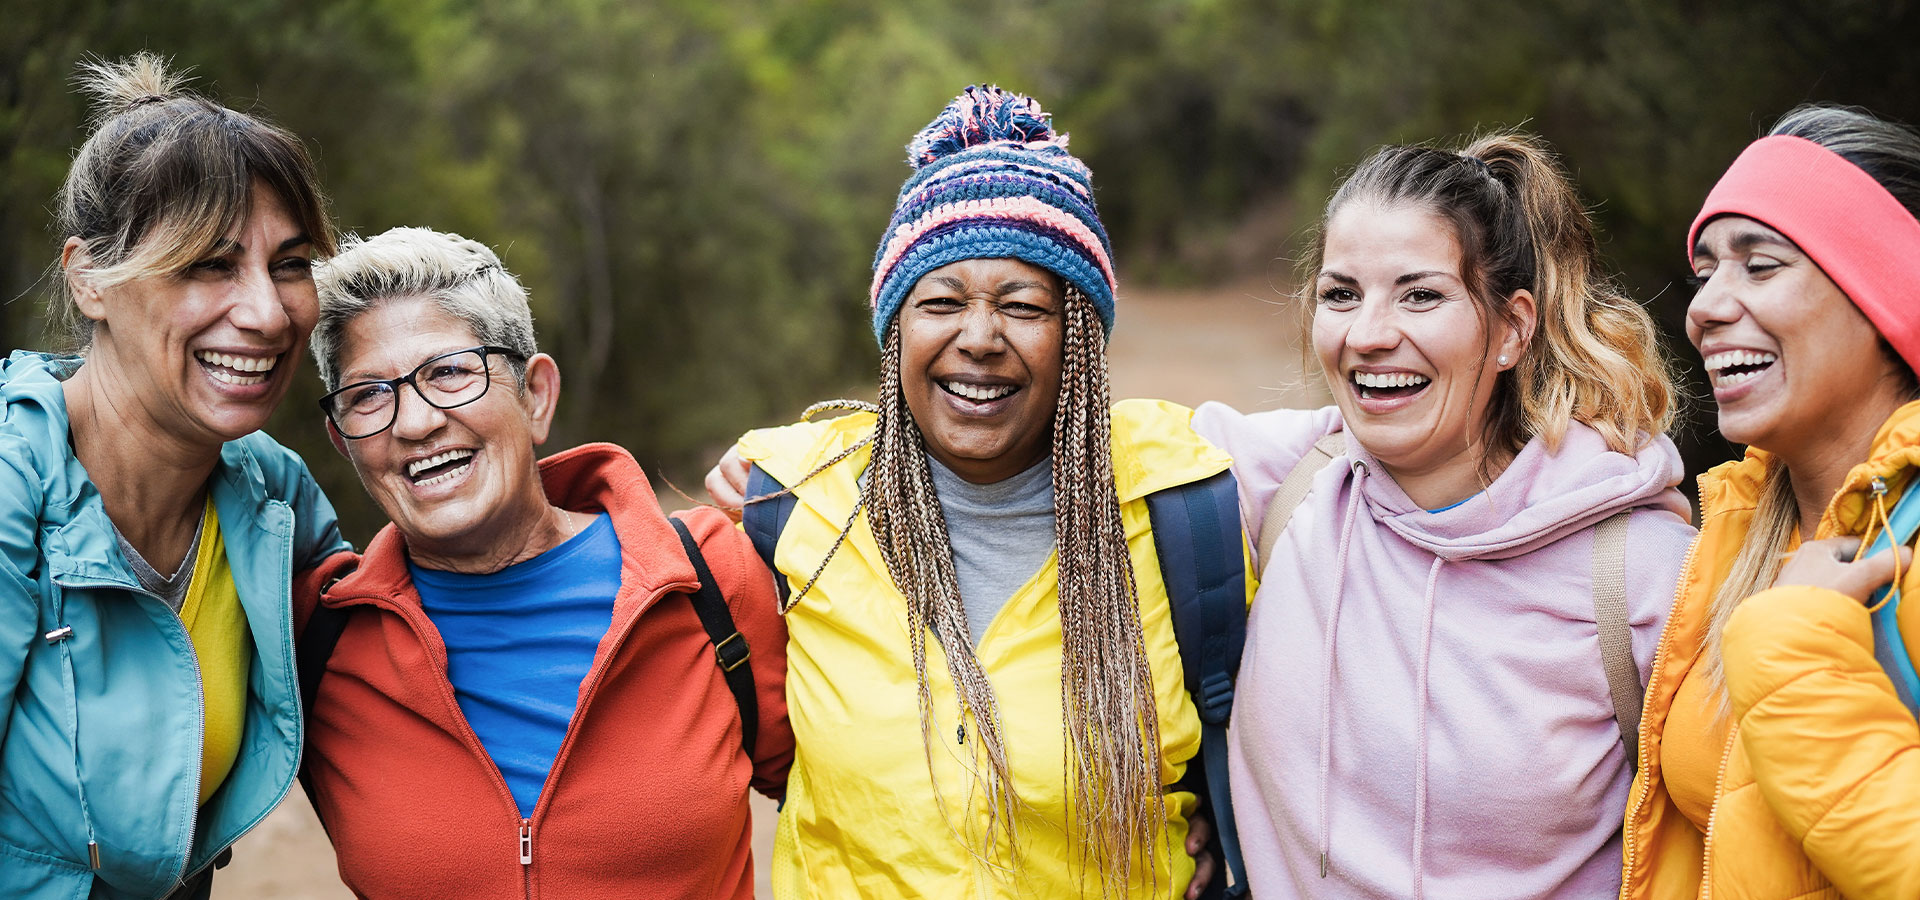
x=992 y=179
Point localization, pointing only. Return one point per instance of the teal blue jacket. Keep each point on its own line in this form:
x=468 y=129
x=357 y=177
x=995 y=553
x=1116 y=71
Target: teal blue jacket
x=100 y=732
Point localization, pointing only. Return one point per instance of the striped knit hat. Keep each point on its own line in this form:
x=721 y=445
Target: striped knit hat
x=993 y=180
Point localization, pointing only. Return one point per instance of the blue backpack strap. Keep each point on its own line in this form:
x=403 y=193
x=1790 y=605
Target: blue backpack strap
x=765 y=520
x=1196 y=529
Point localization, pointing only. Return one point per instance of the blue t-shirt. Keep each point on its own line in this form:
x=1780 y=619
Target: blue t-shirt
x=520 y=641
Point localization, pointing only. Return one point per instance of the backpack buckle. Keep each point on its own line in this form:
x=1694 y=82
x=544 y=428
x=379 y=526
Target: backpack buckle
x=733 y=652
x=1216 y=698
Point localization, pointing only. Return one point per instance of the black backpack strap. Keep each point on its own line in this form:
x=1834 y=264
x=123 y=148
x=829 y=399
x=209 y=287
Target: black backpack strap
x=310 y=655
x=730 y=650
x=1196 y=529
x=764 y=521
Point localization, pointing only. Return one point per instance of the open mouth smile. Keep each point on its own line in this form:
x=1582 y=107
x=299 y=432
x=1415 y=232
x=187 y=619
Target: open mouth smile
x=235 y=369
x=440 y=468
x=978 y=393
x=1736 y=367
x=1388 y=385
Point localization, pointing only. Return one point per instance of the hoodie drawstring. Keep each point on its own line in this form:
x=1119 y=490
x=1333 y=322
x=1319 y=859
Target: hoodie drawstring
x=1326 y=696
x=1420 y=764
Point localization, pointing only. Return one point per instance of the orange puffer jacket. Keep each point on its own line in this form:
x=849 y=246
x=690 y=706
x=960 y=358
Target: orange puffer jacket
x=648 y=793
x=1819 y=786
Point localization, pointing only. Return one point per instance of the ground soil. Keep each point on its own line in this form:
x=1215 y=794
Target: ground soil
x=1237 y=343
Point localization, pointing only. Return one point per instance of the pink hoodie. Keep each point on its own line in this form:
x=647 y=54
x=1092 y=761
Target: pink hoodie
x=1422 y=703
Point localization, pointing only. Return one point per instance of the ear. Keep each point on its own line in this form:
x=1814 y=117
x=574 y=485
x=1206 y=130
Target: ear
x=74 y=261
x=541 y=396
x=1522 y=317
x=333 y=437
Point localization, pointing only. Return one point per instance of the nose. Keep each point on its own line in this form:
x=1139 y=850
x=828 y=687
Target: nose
x=1714 y=304
x=415 y=419
x=979 y=331
x=1375 y=327
x=257 y=304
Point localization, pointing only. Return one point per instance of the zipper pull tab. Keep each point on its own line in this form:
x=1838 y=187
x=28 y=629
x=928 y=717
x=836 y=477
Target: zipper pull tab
x=1323 y=864
x=526 y=842
x=93 y=854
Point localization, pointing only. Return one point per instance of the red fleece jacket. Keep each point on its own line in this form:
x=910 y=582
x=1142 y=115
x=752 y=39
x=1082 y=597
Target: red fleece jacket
x=648 y=794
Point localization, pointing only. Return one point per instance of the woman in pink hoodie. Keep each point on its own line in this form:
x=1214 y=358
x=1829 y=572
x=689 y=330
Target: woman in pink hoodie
x=1425 y=707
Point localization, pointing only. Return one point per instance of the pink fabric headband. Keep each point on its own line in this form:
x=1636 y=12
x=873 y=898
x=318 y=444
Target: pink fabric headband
x=1858 y=233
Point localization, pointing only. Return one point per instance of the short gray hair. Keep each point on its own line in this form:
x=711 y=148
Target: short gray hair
x=461 y=276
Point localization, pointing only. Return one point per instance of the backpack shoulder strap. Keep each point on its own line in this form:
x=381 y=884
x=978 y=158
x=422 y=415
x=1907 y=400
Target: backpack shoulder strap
x=1616 y=633
x=730 y=650
x=1196 y=532
x=763 y=521
x=1293 y=490
x=310 y=654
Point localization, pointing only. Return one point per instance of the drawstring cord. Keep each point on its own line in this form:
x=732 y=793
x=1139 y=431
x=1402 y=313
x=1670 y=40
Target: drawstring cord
x=1420 y=766
x=59 y=637
x=1326 y=696
x=1885 y=523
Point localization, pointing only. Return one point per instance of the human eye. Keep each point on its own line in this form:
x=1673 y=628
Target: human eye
x=1021 y=310
x=1760 y=266
x=1339 y=297
x=939 y=303
x=1423 y=298
x=368 y=397
x=293 y=268
x=1699 y=278
x=214 y=267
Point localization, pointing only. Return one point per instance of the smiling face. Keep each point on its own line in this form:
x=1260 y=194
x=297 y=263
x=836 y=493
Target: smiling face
x=207 y=353
x=980 y=359
x=1786 y=351
x=454 y=481
x=1407 y=354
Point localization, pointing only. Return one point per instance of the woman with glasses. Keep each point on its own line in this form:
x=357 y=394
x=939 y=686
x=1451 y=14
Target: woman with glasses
x=540 y=687
x=148 y=530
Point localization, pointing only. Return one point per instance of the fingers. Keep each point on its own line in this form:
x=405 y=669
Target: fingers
x=1861 y=579
x=727 y=483
x=1204 y=868
x=1199 y=832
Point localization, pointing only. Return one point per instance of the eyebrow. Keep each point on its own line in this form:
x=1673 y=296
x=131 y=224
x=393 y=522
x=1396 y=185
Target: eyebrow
x=1012 y=287
x=225 y=246
x=1408 y=278
x=1745 y=240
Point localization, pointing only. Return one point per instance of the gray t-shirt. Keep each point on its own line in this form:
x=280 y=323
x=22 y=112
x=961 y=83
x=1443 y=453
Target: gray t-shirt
x=1002 y=534
x=172 y=589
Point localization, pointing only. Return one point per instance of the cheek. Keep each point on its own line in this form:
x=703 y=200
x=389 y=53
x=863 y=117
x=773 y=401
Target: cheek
x=1328 y=339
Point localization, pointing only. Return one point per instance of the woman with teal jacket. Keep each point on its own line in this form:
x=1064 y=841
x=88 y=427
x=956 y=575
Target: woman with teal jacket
x=148 y=531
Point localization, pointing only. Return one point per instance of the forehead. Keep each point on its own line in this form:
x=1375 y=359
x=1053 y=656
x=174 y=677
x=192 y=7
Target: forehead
x=1733 y=234
x=1366 y=237
x=990 y=275
x=392 y=338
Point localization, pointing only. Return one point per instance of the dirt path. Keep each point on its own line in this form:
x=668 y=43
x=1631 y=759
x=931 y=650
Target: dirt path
x=1236 y=343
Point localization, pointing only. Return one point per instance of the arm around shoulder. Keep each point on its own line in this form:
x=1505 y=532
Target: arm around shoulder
x=1834 y=752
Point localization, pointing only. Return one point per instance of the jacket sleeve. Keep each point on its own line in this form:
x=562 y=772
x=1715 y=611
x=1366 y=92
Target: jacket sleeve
x=748 y=588
x=1835 y=753
x=19 y=592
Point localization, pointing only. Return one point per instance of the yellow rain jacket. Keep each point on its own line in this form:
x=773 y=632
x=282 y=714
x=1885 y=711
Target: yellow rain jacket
x=1819 y=785
x=863 y=817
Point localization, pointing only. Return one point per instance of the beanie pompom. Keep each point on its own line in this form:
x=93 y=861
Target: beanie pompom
x=982 y=115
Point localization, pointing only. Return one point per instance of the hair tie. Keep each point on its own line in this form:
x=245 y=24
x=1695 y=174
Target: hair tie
x=150 y=98
x=1479 y=163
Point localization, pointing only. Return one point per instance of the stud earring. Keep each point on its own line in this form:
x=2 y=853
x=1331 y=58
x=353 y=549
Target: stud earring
x=1503 y=359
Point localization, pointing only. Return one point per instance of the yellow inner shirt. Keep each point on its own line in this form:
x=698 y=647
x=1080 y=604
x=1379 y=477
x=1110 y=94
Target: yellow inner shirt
x=217 y=625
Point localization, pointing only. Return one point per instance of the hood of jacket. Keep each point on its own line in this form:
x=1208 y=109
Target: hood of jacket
x=1542 y=496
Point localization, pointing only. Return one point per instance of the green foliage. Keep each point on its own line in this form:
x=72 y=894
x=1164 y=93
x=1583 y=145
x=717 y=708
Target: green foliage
x=693 y=189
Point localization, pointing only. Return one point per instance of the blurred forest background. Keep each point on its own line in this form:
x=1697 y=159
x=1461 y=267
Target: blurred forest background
x=693 y=189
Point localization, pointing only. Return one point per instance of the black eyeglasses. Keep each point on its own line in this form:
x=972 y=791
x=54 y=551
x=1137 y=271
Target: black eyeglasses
x=366 y=408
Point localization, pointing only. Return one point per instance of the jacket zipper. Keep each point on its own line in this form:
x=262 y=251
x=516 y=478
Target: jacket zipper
x=1706 y=847
x=523 y=825
x=1639 y=800
x=200 y=719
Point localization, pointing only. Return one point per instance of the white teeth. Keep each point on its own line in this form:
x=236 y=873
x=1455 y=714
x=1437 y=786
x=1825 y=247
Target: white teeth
x=230 y=378
x=421 y=465
x=238 y=363
x=978 y=391
x=1718 y=364
x=1729 y=358
x=1388 y=379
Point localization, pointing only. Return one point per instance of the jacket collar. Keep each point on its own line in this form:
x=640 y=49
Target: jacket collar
x=1895 y=450
x=589 y=478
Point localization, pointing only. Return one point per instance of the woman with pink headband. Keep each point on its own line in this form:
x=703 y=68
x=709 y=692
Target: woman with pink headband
x=1779 y=752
